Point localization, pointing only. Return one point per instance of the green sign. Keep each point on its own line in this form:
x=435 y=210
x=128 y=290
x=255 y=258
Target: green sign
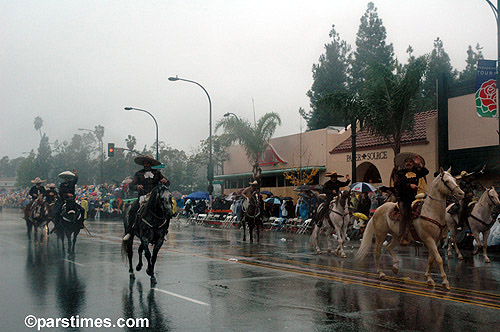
x=159 y=166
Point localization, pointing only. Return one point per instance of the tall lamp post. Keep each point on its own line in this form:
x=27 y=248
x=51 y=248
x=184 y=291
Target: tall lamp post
x=156 y=124
x=496 y=13
x=231 y=113
x=98 y=135
x=210 y=174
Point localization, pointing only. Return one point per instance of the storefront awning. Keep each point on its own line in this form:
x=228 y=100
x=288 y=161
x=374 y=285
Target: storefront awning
x=269 y=172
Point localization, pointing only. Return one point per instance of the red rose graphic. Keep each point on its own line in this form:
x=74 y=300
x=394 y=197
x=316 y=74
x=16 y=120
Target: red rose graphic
x=488 y=93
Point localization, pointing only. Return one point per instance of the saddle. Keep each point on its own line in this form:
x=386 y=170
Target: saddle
x=416 y=208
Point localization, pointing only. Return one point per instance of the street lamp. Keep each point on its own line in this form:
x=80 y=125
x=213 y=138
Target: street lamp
x=210 y=174
x=101 y=148
x=156 y=124
x=496 y=13
x=231 y=113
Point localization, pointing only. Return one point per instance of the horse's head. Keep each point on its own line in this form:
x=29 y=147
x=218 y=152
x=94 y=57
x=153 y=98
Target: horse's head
x=447 y=184
x=493 y=196
x=344 y=196
x=164 y=198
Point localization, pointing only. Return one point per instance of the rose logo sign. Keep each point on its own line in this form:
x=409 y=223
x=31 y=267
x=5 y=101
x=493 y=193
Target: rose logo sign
x=486 y=96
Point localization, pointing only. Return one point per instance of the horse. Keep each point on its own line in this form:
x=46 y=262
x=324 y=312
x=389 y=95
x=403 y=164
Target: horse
x=429 y=226
x=252 y=217
x=38 y=217
x=151 y=227
x=337 y=219
x=69 y=223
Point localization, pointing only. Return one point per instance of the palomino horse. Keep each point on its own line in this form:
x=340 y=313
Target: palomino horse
x=480 y=221
x=38 y=217
x=69 y=223
x=151 y=227
x=337 y=219
x=429 y=226
x=252 y=217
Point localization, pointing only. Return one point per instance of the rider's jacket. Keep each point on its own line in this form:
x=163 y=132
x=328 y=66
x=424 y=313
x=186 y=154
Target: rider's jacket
x=404 y=178
x=66 y=188
x=332 y=187
x=248 y=191
x=35 y=191
x=50 y=196
x=148 y=180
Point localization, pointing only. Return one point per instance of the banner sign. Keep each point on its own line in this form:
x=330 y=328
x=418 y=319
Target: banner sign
x=486 y=89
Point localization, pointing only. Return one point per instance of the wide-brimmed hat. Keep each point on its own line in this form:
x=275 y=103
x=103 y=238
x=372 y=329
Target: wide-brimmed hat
x=334 y=173
x=66 y=175
x=141 y=159
x=400 y=158
x=37 y=180
x=463 y=174
x=254 y=183
x=51 y=185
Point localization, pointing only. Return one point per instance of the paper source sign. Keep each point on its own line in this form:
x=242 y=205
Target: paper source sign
x=486 y=89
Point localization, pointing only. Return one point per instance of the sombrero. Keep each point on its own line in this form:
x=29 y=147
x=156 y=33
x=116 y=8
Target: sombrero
x=37 y=180
x=253 y=183
x=463 y=174
x=66 y=174
x=51 y=185
x=334 y=173
x=400 y=158
x=141 y=159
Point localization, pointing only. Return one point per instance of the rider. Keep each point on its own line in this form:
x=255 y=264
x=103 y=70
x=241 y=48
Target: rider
x=67 y=190
x=406 y=184
x=468 y=188
x=331 y=189
x=35 y=191
x=144 y=181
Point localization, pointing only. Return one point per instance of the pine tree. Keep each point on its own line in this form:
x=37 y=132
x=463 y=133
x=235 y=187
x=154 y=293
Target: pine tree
x=371 y=46
x=469 y=73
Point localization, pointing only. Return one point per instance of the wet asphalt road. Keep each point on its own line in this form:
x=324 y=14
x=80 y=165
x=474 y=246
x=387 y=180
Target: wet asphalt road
x=208 y=280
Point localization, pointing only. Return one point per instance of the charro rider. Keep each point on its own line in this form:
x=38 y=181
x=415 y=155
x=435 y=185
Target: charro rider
x=406 y=183
x=51 y=194
x=330 y=189
x=67 y=192
x=144 y=181
x=467 y=186
x=35 y=192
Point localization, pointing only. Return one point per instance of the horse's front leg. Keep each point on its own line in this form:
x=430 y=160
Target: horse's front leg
x=250 y=230
x=258 y=225
x=433 y=251
x=243 y=225
x=147 y=253
x=156 y=249
x=139 y=251
x=485 y=245
x=453 y=240
x=75 y=235
x=390 y=247
x=340 y=241
x=378 y=248
x=314 y=239
x=28 y=227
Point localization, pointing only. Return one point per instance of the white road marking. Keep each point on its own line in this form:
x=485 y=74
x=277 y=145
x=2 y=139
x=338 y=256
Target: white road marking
x=70 y=261
x=181 y=297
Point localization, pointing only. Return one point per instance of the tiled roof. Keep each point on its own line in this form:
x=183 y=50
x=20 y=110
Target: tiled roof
x=364 y=139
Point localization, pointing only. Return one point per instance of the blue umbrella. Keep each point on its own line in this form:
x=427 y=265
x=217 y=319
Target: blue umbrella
x=198 y=195
x=273 y=200
x=268 y=193
x=362 y=187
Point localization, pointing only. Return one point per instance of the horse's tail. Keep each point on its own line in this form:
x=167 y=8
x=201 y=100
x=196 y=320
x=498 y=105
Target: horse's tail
x=124 y=250
x=366 y=243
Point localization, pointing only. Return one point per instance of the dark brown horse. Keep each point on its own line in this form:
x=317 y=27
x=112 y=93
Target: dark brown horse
x=252 y=217
x=37 y=217
x=151 y=227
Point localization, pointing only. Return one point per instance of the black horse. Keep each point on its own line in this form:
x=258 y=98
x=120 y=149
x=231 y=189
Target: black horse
x=151 y=227
x=69 y=221
x=252 y=217
x=37 y=217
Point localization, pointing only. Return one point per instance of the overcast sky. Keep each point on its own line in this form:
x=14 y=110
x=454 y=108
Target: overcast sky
x=77 y=64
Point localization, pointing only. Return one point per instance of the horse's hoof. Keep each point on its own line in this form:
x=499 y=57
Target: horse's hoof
x=153 y=281
x=318 y=252
x=382 y=276
x=132 y=276
x=343 y=255
x=150 y=273
x=395 y=270
x=138 y=267
x=431 y=283
x=449 y=255
x=486 y=260
x=461 y=257
x=446 y=285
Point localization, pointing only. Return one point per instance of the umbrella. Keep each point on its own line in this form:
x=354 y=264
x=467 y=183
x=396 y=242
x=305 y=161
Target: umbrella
x=273 y=200
x=362 y=187
x=127 y=180
x=268 y=193
x=198 y=195
x=305 y=187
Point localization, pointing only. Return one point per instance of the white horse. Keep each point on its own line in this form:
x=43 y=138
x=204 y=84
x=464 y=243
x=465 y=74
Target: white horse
x=429 y=226
x=337 y=219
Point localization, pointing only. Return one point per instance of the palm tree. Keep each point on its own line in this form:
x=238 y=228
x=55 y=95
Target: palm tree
x=38 y=125
x=254 y=138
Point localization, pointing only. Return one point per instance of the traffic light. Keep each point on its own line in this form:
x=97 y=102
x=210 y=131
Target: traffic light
x=111 y=149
